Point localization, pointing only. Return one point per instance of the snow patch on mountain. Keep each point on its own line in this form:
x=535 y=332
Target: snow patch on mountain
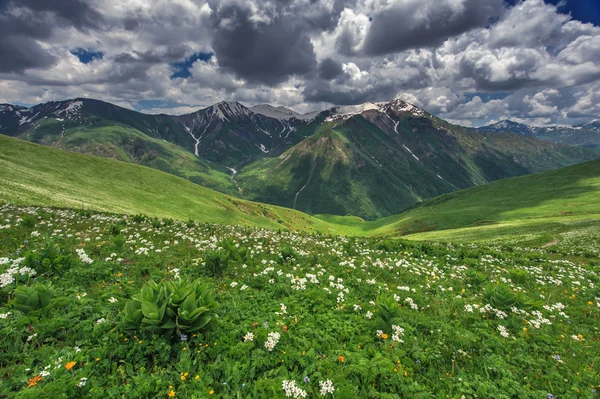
x=394 y=107
x=228 y=110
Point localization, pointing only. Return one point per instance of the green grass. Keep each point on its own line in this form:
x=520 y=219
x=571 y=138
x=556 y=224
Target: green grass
x=532 y=209
x=125 y=143
x=471 y=321
x=37 y=175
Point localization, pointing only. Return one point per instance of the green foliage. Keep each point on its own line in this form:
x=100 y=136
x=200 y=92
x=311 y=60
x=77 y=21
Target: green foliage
x=29 y=221
x=445 y=347
x=114 y=229
x=287 y=253
x=50 y=258
x=31 y=298
x=388 y=312
x=118 y=242
x=138 y=218
x=501 y=296
x=170 y=307
x=216 y=262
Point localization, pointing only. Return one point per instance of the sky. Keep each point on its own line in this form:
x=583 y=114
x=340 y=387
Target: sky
x=471 y=62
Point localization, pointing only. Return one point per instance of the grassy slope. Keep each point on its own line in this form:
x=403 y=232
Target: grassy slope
x=531 y=208
x=535 y=208
x=360 y=167
x=33 y=174
x=113 y=140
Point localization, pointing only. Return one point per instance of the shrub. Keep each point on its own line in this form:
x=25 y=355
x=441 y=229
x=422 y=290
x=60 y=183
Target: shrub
x=216 y=262
x=118 y=242
x=31 y=298
x=168 y=307
x=138 y=218
x=519 y=276
x=287 y=252
x=114 y=230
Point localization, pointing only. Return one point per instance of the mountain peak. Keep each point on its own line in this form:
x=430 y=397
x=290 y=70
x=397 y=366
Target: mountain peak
x=228 y=110
x=280 y=112
x=401 y=106
x=396 y=106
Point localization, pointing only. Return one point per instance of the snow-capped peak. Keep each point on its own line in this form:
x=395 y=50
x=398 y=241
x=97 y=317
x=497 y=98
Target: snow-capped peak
x=282 y=113
x=396 y=106
x=227 y=110
x=347 y=111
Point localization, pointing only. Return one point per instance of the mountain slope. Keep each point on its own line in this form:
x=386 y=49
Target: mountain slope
x=585 y=135
x=377 y=159
x=37 y=175
x=370 y=160
x=232 y=135
x=94 y=127
x=536 y=207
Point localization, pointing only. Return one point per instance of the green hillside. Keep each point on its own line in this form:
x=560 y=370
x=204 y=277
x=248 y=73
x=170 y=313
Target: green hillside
x=371 y=160
x=36 y=175
x=106 y=138
x=368 y=167
x=536 y=208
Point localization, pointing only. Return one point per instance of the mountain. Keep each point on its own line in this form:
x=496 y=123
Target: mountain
x=376 y=159
x=33 y=174
x=585 y=135
x=369 y=160
x=552 y=206
x=282 y=113
x=231 y=134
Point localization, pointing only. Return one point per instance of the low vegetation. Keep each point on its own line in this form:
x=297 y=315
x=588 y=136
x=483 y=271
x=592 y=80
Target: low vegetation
x=133 y=313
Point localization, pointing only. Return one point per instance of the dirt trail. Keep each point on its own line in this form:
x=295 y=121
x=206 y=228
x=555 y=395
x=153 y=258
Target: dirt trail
x=551 y=243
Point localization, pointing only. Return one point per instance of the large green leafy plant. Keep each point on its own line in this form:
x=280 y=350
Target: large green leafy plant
x=388 y=312
x=50 y=258
x=170 y=307
x=31 y=298
x=501 y=296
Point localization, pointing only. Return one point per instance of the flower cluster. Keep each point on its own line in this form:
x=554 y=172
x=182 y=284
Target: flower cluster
x=83 y=256
x=272 y=340
x=326 y=387
x=398 y=332
x=503 y=331
x=292 y=391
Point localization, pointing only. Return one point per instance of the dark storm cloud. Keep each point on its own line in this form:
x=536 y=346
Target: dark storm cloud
x=263 y=52
x=318 y=90
x=416 y=24
x=24 y=22
x=77 y=12
x=330 y=69
x=18 y=53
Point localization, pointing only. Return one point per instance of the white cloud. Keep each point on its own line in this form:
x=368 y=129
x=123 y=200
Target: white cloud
x=535 y=63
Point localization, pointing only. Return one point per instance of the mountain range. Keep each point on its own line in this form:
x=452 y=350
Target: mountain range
x=369 y=160
x=586 y=135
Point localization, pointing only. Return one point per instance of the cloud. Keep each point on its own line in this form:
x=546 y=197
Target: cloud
x=425 y=23
x=266 y=47
x=448 y=56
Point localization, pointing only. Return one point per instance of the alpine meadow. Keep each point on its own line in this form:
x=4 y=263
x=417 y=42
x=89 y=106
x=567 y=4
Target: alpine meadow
x=389 y=199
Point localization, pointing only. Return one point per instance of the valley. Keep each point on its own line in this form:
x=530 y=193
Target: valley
x=371 y=160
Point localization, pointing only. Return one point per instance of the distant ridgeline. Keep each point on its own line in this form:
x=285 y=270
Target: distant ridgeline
x=369 y=160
